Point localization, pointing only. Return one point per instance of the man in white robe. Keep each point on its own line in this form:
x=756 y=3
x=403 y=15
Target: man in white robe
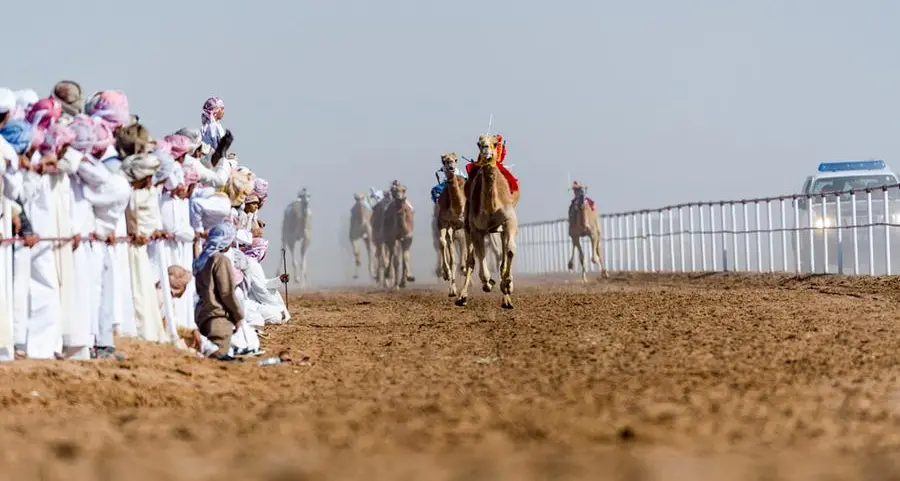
x=108 y=194
x=118 y=306
x=142 y=222
x=51 y=296
x=8 y=156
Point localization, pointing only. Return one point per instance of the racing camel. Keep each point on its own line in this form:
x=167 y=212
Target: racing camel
x=583 y=222
x=296 y=228
x=492 y=194
x=380 y=202
x=361 y=231
x=397 y=235
x=450 y=220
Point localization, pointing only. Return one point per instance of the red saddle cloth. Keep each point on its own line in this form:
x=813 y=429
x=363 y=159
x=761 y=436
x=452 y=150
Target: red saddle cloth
x=590 y=202
x=510 y=179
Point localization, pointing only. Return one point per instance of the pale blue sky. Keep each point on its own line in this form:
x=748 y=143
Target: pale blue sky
x=649 y=102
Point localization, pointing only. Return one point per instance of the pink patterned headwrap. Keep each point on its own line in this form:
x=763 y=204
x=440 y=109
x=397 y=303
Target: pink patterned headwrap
x=54 y=138
x=191 y=176
x=44 y=113
x=180 y=145
x=211 y=105
x=257 y=249
x=103 y=137
x=85 y=135
x=111 y=106
x=261 y=188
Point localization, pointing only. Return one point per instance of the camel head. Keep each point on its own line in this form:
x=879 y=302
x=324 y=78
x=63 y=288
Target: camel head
x=395 y=186
x=398 y=191
x=487 y=149
x=358 y=197
x=303 y=196
x=580 y=191
x=449 y=161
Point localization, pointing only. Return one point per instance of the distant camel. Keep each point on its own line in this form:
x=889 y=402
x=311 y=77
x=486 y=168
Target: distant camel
x=381 y=201
x=296 y=227
x=583 y=221
x=361 y=231
x=397 y=232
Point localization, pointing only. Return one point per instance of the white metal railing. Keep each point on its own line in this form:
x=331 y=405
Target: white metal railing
x=852 y=232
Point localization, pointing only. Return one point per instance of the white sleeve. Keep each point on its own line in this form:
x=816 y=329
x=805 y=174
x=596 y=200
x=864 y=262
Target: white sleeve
x=69 y=163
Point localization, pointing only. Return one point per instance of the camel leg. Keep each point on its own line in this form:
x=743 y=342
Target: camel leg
x=406 y=244
x=453 y=259
x=396 y=266
x=356 y=261
x=291 y=246
x=598 y=254
x=463 y=299
x=508 y=238
x=444 y=245
x=581 y=259
x=303 y=248
x=575 y=247
x=368 y=244
x=478 y=250
x=385 y=264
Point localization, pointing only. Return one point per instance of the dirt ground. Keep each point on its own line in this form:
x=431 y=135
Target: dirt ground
x=637 y=378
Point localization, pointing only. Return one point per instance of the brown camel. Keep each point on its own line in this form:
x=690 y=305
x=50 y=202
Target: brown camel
x=397 y=231
x=296 y=227
x=381 y=203
x=451 y=223
x=361 y=231
x=490 y=207
x=583 y=221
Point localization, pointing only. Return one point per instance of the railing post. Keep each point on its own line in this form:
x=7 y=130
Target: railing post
x=825 y=233
x=769 y=235
x=702 y=239
x=798 y=234
x=840 y=234
x=784 y=247
x=887 y=231
x=671 y=240
x=871 y=232
x=855 y=231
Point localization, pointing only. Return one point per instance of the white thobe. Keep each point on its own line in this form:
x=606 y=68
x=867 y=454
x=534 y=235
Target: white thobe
x=18 y=185
x=175 y=214
x=108 y=195
x=263 y=300
x=51 y=268
x=90 y=274
x=6 y=261
x=142 y=217
x=208 y=210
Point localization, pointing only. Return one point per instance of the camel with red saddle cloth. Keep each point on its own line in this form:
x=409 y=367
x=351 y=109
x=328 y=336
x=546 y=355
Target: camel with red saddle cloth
x=492 y=193
x=584 y=222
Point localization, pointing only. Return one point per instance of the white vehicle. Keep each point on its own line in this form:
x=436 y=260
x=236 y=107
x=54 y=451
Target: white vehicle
x=827 y=206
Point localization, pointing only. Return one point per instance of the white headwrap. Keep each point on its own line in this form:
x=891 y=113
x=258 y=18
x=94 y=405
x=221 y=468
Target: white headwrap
x=7 y=100
x=139 y=166
x=24 y=100
x=166 y=166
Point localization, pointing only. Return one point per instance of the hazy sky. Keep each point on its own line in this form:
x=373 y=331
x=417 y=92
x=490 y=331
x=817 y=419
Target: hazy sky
x=649 y=102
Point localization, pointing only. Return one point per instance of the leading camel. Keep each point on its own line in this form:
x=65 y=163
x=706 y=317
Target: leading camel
x=583 y=221
x=490 y=207
x=296 y=228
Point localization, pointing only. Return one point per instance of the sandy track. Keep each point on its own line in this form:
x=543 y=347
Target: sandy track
x=672 y=377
